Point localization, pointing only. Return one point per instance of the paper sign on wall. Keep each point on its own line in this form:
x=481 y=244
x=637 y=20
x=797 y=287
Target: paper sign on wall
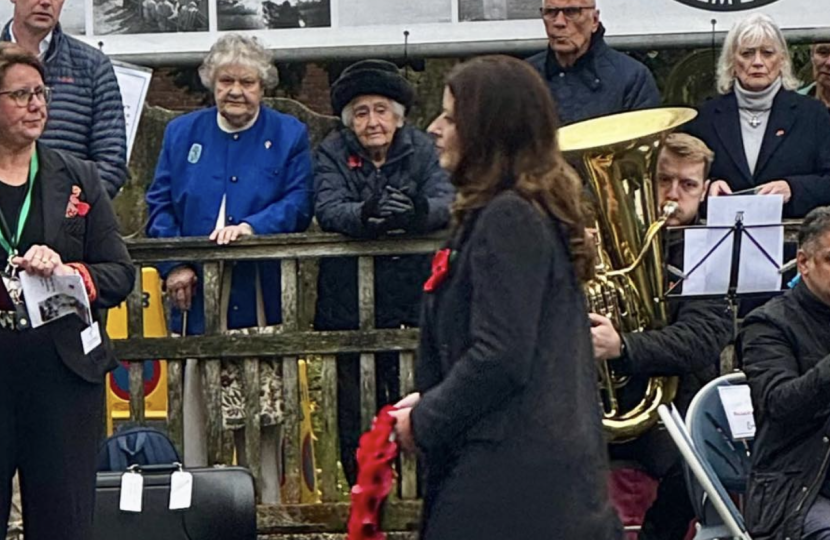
x=133 y=81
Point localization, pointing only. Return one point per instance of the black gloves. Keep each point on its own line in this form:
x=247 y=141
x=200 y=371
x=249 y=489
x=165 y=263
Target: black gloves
x=393 y=210
x=402 y=211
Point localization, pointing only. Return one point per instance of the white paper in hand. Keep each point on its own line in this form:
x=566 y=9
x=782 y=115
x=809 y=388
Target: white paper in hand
x=132 y=490
x=737 y=404
x=181 y=490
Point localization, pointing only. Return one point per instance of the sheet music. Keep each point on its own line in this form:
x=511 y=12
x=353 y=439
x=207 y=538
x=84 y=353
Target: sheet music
x=756 y=273
x=710 y=277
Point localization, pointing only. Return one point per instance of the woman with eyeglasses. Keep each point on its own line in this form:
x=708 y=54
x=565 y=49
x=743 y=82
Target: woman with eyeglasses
x=55 y=220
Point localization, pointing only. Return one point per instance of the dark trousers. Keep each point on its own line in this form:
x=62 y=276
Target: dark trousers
x=672 y=512
x=50 y=424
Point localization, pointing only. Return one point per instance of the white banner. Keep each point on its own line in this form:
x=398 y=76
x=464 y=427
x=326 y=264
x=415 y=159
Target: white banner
x=153 y=31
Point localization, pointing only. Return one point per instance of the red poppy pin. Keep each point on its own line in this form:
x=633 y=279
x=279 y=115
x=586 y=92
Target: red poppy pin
x=440 y=269
x=355 y=162
x=75 y=206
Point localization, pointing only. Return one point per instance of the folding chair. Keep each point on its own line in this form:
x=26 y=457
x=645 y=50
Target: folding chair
x=708 y=451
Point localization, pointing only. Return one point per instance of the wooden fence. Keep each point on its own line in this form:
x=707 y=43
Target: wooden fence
x=298 y=253
x=295 y=252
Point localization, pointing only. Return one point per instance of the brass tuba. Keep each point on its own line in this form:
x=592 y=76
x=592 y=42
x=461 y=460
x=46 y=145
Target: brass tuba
x=617 y=156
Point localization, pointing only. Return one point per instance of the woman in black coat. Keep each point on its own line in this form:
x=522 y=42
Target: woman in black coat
x=58 y=221
x=507 y=415
x=765 y=136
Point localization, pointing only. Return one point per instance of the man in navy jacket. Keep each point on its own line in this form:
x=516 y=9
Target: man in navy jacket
x=586 y=77
x=86 y=115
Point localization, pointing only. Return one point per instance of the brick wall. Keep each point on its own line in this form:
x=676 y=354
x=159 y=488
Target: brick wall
x=168 y=89
x=179 y=89
x=314 y=92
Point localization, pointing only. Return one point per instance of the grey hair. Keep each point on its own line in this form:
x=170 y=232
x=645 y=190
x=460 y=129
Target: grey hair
x=815 y=224
x=347 y=116
x=236 y=49
x=752 y=31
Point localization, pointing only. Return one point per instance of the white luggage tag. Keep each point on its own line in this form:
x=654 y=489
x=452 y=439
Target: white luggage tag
x=181 y=489
x=132 y=490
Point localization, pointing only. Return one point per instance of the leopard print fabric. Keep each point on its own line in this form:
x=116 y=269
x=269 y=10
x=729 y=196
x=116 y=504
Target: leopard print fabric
x=271 y=404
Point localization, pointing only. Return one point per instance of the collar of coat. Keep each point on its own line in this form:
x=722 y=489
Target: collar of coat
x=585 y=64
x=400 y=148
x=54 y=45
x=810 y=302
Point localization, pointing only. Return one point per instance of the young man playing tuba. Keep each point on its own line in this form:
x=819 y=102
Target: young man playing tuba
x=647 y=484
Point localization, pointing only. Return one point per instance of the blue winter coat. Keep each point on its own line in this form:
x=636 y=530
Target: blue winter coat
x=265 y=172
x=602 y=81
x=86 y=116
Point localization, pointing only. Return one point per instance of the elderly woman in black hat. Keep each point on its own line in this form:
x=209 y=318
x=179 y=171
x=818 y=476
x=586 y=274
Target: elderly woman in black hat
x=376 y=175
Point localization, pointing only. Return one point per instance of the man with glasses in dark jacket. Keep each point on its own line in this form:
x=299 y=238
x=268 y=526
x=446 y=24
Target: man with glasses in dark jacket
x=785 y=349
x=586 y=77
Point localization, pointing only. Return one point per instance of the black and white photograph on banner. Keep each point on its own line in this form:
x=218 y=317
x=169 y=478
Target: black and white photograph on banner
x=272 y=14
x=72 y=16
x=392 y=12
x=498 y=10
x=149 y=16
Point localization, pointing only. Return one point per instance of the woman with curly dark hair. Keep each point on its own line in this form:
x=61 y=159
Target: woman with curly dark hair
x=506 y=415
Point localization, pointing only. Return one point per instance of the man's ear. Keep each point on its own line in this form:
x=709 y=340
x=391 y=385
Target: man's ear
x=801 y=260
x=596 y=21
x=705 y=190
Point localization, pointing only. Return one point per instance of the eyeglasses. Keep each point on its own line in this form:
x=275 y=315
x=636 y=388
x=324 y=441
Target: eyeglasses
x=23 y=96
x=570 y=12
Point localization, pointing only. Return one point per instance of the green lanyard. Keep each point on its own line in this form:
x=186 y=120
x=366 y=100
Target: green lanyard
x=10 y=245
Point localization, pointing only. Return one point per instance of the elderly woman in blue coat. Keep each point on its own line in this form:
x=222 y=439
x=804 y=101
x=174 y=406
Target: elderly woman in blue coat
x=232 y=170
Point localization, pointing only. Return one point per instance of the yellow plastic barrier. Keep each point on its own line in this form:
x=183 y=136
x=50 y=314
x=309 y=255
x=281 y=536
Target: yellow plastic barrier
x=155 y=373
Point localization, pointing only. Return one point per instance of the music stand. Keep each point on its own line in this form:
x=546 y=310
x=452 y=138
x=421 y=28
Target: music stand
x=739 y=232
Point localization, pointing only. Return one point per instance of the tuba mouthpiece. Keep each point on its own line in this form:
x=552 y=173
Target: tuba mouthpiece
x=669 y=209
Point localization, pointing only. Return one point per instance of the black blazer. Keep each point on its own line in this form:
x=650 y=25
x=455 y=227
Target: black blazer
x=509 y=416
x=796 y=148
x=93 y=240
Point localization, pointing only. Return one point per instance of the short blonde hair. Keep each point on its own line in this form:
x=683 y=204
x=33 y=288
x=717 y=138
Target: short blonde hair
x=236 y=49
x=750 y=31
x=689 y=148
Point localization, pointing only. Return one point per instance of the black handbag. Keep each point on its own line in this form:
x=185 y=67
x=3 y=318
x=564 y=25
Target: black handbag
x=223 y=506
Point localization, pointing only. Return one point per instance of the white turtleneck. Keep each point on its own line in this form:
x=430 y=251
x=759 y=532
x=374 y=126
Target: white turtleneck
x=227 y=128
x=754 y=110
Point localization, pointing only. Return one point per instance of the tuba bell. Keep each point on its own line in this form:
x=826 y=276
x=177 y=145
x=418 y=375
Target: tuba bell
x=617 y=156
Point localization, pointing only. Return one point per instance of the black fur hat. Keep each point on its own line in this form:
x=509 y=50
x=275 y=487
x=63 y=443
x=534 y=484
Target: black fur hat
x=370 y=77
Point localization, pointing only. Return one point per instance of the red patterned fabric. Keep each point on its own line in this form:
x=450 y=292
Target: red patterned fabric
x=375 y=477
x=91 y=291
